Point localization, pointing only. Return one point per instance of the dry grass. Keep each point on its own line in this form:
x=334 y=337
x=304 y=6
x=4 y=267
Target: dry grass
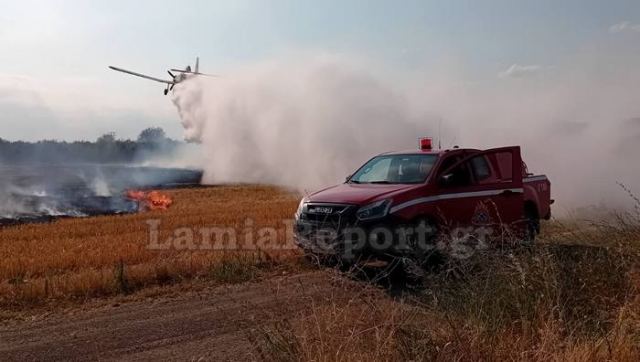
x=82 y=258
x=573 y=297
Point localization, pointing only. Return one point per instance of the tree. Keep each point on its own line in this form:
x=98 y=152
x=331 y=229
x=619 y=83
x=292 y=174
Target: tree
x=107 y=138
x=152 y=135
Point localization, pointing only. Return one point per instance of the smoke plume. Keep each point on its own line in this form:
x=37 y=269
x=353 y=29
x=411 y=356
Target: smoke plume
x=298 y=125
x=309 y=122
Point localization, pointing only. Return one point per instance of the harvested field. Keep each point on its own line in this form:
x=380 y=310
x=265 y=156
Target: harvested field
x=84 y=258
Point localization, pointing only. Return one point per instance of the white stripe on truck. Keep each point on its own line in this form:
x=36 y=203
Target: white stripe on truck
x=458 y=195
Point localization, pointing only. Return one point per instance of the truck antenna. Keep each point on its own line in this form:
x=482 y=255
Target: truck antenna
x=439 y=133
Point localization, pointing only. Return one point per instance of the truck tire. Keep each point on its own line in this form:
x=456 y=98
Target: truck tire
x=532 y=225
x=430 y=256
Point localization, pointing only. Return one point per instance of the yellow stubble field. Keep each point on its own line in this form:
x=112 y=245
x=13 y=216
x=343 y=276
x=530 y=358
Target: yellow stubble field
x=231 y=227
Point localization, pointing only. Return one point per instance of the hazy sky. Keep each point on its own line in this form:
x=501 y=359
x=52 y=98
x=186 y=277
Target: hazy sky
x=54 y=81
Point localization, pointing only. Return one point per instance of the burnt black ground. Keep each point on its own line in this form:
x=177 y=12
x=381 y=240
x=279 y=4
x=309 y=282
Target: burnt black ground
x=43 y=193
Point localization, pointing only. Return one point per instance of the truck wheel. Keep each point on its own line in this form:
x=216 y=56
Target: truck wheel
x=425 y=254
x=532 y=226
x=413 y=272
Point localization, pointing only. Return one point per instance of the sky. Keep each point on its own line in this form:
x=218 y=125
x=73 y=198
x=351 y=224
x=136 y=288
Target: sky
x=55 y=84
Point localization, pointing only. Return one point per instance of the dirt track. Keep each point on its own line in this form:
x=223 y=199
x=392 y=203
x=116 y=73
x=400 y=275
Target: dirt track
x=204 y=325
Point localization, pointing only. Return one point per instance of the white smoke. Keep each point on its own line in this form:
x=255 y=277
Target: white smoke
x=13 y=204
x=184 y=156
x=10 y=206
x=101 y=187
x=309 y=122
x=300 y=125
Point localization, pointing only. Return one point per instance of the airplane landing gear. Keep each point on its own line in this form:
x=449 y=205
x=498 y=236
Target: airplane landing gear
x=166 y=91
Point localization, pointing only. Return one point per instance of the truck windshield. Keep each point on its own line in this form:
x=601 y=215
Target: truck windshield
x=395 y=169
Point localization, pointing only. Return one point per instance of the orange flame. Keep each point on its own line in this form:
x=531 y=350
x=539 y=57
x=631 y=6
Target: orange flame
x=152 y=200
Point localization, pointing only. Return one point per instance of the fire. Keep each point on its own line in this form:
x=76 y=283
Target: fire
x=136 y=195
x=150 y=200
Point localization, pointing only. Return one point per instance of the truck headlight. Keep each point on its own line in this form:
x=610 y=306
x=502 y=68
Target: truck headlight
x=300 y=208
x=374 y=210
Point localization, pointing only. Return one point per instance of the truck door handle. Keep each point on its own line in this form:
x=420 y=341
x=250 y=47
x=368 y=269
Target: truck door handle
x=507 y=193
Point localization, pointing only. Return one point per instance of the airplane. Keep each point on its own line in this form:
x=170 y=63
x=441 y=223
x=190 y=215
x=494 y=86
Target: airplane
x=182 y=75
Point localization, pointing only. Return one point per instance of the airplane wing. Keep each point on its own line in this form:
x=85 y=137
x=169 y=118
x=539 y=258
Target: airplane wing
x=142 y=75
x=194 y=73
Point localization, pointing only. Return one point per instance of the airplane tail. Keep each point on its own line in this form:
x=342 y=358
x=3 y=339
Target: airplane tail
x=195 y=70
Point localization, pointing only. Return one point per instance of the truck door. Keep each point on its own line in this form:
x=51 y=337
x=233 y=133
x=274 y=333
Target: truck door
x=483 y=189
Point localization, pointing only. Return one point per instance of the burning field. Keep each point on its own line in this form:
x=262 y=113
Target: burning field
x=31 y=194
x=80 y=258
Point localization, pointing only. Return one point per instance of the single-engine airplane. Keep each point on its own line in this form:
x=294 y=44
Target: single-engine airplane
x=182 y=75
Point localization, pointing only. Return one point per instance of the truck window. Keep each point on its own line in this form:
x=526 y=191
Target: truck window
x=460 y=175
x=396 y=169
x=448 y=162
x=377 y=169
x=480 y=168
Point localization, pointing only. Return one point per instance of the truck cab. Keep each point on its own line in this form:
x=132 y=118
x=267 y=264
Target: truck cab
x=380 y=207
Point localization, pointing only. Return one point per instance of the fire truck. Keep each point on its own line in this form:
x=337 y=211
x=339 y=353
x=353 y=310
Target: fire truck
x=404 y=204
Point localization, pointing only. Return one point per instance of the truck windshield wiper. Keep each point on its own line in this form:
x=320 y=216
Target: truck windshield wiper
x=354 y=182
x=380 y=182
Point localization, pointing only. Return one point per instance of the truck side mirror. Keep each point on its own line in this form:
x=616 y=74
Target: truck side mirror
x=346 y=179
x=446 y=180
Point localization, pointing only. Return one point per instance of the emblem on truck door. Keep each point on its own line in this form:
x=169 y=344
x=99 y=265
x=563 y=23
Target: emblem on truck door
x=481 y=215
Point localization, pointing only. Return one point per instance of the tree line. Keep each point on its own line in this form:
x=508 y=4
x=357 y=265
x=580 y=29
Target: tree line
x=106 y=149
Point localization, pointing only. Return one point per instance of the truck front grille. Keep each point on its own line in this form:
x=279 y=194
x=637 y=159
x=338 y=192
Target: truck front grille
x=331 y=216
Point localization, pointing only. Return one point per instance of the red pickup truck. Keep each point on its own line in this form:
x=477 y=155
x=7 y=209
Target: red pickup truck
x=403 y=203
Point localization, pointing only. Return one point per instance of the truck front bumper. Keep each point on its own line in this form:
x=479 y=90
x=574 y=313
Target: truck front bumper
x=384 y=239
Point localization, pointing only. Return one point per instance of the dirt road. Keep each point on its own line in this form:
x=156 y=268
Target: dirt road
x=203 y=325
